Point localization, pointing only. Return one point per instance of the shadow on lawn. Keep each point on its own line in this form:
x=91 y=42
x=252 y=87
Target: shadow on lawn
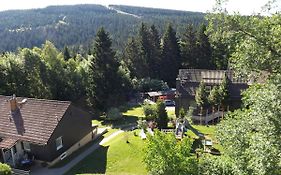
x=93 y=164
x=125 y=121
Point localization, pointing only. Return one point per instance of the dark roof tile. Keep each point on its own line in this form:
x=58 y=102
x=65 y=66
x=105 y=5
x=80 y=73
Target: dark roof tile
x=34 y=121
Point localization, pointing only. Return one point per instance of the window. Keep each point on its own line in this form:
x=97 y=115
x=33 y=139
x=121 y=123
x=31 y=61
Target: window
x=59 y=143
x=26 y=146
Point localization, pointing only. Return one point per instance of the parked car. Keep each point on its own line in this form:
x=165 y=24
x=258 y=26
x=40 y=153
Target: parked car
x=169 y=103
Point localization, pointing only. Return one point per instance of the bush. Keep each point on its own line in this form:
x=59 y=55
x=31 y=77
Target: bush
x=149 y=111
x=5 y=169
x=113 y=114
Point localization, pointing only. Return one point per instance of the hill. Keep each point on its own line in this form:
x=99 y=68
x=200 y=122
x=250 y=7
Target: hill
x=76 y=25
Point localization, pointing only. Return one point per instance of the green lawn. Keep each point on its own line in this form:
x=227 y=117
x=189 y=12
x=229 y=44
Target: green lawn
x=115 y=157
x=136 y=111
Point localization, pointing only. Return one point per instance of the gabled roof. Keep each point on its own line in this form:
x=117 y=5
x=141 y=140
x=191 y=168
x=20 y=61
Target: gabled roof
x=208 y=76
x=189 y=80
x=33 y=121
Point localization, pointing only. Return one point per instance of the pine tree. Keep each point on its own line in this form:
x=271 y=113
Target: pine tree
x=204 y=50
x=188 y=48
x=144 y=49
x=162 y=116
x=171 y=58
x=154 y=60
x=105 y=84
x=201 y=97
x=133 y=59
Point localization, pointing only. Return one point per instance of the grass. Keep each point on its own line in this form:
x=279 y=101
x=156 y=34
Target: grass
x=115 y=157
x=135 y=111
x=208 y=131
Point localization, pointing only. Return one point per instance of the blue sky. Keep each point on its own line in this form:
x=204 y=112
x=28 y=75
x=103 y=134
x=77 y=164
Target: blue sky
x=242 y=6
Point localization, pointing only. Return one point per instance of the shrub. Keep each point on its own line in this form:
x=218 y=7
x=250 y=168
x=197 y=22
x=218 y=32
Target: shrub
x=113 y=114
x=149 y=111
x=5 y=169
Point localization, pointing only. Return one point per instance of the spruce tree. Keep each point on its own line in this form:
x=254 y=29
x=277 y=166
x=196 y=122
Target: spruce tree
x=171 y=58
x=105 y=82
x=133 y=59
x=204 y=50
x=144 y=49
x=162 y=116
x=188 y=48
x=154 y=60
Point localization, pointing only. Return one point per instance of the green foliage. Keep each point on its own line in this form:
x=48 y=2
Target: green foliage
x=201 y=96
x=203 y=50
x=250 y=136
x=105 y=81
x=212 y=165
x=171 y=57
x=42 y=73
x=149 y=111
x=214 y=96
x=76 y=25
x=161 y=114
x=252 y=45
x=182 y=113
x=148 y=84
x=224 y=91
x=5 y=169
x=164 y=154
x=113 y=114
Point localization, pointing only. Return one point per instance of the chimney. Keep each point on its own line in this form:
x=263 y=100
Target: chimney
x=13 y=103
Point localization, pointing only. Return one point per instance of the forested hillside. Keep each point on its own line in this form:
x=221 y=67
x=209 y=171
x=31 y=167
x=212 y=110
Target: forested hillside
x=77 y=25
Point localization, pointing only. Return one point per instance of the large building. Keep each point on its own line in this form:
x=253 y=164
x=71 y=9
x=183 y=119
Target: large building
x=189 y=79
x=49 y=130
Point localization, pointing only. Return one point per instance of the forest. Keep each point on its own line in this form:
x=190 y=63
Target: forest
x=148 y=62
x=76 y=25
x=94 y=66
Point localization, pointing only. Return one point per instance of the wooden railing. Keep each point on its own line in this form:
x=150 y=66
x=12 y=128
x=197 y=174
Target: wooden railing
x=19 y=172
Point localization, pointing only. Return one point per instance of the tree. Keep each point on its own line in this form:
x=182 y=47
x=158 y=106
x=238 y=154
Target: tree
x=188 y=48
x=204 y=50
x=161 y=114
x=224 y=92
x=149 y=111
x=164 y=154
x=201 y=97
x=5 y=169
x=252 y=41
x=144 y=49
x=171 y=58
x=133 y=59
x=105 y=81
x=250 y=135
x=155 y=57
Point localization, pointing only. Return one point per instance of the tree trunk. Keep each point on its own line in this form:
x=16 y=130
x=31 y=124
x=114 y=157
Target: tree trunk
x=201 y=113
x=213 y=111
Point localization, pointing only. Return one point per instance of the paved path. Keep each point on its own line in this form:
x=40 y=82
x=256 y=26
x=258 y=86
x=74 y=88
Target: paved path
x=60 y=171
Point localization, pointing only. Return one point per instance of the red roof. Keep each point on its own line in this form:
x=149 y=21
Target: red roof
x=34 y=121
